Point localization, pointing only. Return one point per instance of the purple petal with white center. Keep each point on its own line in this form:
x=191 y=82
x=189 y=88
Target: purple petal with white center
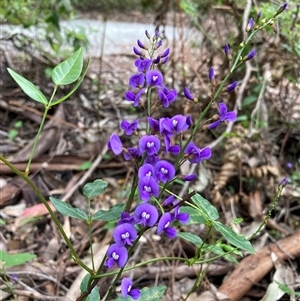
x=148 y=186
x=146 y=170
x=154 y=78
x=116 y=254
x=149 y=144
x=137 y=81
x=125 y=234
x=146 y=214
x=165 y=171
x=115 y=144
x=164 y=222
x=126 y=286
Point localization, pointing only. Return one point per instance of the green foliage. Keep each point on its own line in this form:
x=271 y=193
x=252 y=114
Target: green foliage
x=68 y=71
x=110 y=215
x=91 y=190
x=28 y=88
x=10 y=260
x=14 y=132
x=68 y=210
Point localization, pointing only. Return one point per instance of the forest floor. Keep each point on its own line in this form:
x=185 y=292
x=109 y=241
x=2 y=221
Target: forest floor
x=240 y=180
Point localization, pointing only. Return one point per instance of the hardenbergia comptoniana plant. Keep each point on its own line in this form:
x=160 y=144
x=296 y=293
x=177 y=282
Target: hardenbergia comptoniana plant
x=163 y=145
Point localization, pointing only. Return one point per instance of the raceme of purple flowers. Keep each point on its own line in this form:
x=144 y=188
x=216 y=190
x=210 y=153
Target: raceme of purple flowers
x=155 y=153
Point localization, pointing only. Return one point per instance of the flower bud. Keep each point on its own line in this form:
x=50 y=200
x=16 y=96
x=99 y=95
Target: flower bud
x=250 y=55
x=137 y=51
x=147 y=34
x=141 y=45
x=227 y=52
x=250 y=25
x=280 y=10
x=231 y=87
x=212 y=76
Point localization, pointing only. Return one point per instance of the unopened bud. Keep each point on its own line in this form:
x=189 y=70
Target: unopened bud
x=280 y=10
x=212 y=76
x=250 y=25
x=250 y=55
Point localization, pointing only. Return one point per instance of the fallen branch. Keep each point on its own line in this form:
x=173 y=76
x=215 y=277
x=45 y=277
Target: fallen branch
x=254 y=267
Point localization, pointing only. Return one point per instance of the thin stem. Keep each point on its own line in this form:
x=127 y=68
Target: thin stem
x=47 y=107
x=52 y=214
x=90 y=233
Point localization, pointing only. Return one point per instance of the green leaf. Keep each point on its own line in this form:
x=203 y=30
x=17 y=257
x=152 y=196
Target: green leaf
x=248 y=100
x=10 y=260
x=206 y=207
x=55 y=102
x=84 y=283
x=196 y=240
x=235 y=239
x=148 y=294
x=28 y=88
x=2 y=222
x=91 y=190
x=13 y=134
x=195 y=215
x=69 y=70
x=94 y=295
x=110 y=215
x=68 y=210
x=216 y=249
x=85 y=165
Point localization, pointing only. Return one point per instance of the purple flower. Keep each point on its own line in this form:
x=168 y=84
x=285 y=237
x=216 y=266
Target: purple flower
x=195 y=154
x=116 y=254
x=115 y=144
x=223 y=116
x=164 y=170
x=125 y=234
x=183 y=217
x=250 y=55
x=289 y=165
x=250 y=25
x=164 y=224
x=258 y=15
x=141 y=45
x=126 y=218
x=144 y=65
x=146 y=214
x=131 y=152
x=129 y=127
x=137 y=81
x=154 y=78
x=148 y=186
x=231 y=87
x=137 y=51
x=127 y=290
x=284 y=182
x=188 y=94
x=129 y=95
x=156 y=60
x=149 y=144
x=189 y=178
x=151 y=159
x=146 y=170
x=174 y=149
x=166 y=96
x=175 y=125
x=154 y=124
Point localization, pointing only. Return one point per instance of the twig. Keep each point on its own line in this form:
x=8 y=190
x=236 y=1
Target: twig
x=39 y=297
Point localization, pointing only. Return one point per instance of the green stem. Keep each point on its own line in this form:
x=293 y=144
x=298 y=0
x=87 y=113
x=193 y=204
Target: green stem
x=47 y=107
x=52 y=214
